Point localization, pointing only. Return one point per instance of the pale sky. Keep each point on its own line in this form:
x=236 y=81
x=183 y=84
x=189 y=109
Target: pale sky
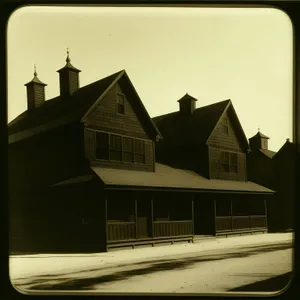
x=214 y=54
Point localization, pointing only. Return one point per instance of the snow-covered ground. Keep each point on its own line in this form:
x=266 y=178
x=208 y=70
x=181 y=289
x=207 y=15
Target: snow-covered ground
x=212 y=265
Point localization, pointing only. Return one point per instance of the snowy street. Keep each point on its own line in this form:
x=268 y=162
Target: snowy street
x=213 y=265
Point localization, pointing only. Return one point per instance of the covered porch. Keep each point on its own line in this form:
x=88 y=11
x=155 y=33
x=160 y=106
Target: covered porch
x=148 y=217
x=240 y=213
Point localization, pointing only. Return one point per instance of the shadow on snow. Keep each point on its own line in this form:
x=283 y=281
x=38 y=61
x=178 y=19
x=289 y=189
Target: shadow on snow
x=42 y=282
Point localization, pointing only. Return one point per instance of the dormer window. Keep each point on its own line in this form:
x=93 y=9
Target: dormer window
x=229 y=162
x=117 y=148
x=120 y=104
x=225 y=128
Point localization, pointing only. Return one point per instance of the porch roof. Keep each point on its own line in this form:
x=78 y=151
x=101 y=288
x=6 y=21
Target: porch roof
x=166 y=177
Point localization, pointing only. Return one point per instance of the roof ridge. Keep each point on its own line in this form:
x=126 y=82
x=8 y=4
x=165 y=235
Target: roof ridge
x=216 y=103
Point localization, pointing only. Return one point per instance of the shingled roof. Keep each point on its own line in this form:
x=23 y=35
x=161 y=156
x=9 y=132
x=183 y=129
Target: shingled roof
x=268 y=153
x=55 y=108
x=57 y=111
x=177 y=129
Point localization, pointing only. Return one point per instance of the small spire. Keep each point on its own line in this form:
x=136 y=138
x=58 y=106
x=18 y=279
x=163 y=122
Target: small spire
x=68 y=57
x=287 y=139
x=35 y=73
x=258 y=129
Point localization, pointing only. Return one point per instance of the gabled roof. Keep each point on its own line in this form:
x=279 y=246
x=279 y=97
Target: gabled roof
x=268 y=153
x=179 y=130
x=56 y=111
x=187 y=97
x=289 y=147
x=259 y=135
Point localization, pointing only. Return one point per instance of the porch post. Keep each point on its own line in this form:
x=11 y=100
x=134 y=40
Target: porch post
x=266 y=214
x=152 y=225
x=215 y=216
x=193 y=226
x=135 y=217
x=105 y=219
x=231 y=214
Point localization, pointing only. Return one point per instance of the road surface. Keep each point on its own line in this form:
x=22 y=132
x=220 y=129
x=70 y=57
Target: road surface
x=214 y=266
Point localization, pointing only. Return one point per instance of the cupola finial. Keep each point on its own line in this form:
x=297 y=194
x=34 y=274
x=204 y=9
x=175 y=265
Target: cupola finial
x=35 y=73
x=68 y=57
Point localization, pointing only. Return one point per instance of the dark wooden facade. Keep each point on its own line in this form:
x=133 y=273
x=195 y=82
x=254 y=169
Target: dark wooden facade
x=58 y=204
x=220 y=153
x=278 y=172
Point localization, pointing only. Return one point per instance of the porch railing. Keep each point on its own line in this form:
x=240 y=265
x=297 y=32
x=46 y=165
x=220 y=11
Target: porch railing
x=229 y=223
x=120 y=231
x=223 y=223
x=258 y=221
x=172 y=228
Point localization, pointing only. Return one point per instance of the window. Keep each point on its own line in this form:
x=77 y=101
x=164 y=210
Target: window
x=229 y=162
x=225 y=161
x=115 y=149
x=127 y=149
x=102 y=145
x=120 y=104
x=139 y=151
x=233 y=162
x=225 y=129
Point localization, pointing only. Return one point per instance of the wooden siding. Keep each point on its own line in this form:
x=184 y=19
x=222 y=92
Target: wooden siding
x=39 y=95
x=220 y=140
x=217 y=173
x=105 y=117
x=73 y=81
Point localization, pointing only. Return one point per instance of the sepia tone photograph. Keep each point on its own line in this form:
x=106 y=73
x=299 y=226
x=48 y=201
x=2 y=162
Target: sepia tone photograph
x=150 y=150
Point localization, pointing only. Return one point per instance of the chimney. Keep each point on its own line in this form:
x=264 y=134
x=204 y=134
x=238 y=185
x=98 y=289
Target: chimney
x=259 y=141
x=35 y=92
x=187 y=105
x=68 y=78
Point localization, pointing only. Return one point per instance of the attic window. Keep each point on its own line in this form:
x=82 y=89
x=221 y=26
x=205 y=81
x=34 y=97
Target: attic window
x=120 y=104
x=225 y=128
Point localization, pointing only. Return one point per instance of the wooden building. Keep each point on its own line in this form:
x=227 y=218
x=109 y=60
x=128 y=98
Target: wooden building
x=276 y=171
x=210 y=142
x=83 y=173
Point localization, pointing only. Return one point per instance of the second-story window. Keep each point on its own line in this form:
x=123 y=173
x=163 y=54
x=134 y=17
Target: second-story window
x=233 y=162
x=115 y=148
x=139 y=151
x=225 y=161
x=102 y=148
x=225 y=127
x=229 y=162
x=120 y=104
x=127 y=149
